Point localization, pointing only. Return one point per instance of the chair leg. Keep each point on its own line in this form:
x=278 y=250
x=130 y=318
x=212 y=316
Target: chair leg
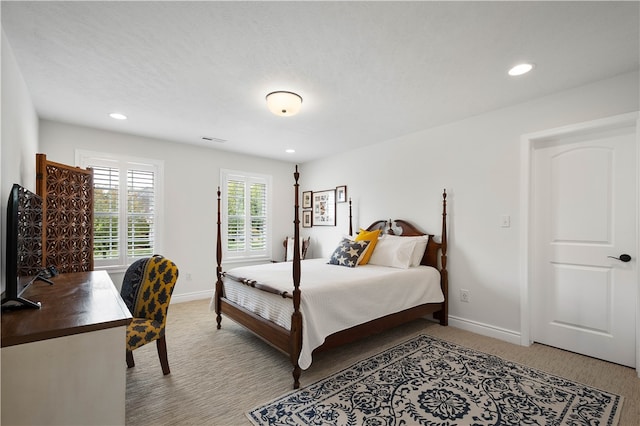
x=161 y=345
x=130 y=362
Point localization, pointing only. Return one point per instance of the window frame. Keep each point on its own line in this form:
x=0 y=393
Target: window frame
x=125 y=163
x=247 y=177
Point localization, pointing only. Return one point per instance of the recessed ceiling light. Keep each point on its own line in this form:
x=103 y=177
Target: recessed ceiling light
x=520 y=69
x=290 y=151
x=118 y=116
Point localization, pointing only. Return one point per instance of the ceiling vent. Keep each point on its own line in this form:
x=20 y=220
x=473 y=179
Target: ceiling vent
x=210 y=139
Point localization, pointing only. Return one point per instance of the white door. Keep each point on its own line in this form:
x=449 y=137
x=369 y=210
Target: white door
x=584 y=198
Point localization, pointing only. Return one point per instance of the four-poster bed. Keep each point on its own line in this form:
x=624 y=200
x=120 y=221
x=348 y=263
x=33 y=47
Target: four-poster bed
x=261 y=299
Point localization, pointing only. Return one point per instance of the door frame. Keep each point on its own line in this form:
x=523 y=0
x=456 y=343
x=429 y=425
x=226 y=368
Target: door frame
x=528 y=144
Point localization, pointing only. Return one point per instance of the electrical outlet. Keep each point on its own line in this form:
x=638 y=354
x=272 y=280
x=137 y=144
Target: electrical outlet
x=465 y=295
x=188 y=276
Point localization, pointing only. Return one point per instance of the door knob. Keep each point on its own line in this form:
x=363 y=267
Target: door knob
x=622 y=258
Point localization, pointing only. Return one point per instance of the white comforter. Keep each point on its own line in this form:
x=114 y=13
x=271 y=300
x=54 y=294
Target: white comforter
x=333 y=298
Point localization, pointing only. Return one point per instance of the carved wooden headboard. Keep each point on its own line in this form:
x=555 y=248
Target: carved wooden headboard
x=405 y=229
x=435 y=250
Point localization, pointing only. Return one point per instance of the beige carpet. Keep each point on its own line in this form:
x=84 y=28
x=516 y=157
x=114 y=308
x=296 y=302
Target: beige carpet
x=218 y=375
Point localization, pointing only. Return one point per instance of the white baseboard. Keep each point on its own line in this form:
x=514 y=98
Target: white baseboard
x=510 y=336
x=462 y=323
x=188 y=297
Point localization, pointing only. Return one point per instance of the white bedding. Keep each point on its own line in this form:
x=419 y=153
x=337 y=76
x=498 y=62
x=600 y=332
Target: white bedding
x=333 y=298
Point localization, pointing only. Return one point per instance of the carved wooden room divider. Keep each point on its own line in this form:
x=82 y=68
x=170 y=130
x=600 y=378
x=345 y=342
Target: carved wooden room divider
x=67 y=197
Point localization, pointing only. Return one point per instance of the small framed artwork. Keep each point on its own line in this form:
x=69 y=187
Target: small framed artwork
x=307 y=219
x=324 y=208
x=341 y=194
x=306 y=199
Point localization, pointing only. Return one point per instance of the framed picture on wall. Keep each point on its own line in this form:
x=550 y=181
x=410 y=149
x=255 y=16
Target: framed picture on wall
x=307 y=221
x=341 y=194
x=324 y=208
x=306 y=199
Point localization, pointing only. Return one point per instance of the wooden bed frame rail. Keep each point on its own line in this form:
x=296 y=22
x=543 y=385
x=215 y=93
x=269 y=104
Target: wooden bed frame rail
x=290 y=341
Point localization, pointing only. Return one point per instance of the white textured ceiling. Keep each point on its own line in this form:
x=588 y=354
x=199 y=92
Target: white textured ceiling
x=368 y=71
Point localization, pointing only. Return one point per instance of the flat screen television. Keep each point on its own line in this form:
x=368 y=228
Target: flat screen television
x=24 y=246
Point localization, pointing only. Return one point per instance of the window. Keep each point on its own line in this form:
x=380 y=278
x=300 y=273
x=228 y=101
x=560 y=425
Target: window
x=127 y=207
x=245 y=215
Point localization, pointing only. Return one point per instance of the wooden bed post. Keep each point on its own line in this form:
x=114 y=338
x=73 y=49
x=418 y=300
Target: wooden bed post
x=444 y=274
x=350 y=218
x=296 y=317
x=219 y=269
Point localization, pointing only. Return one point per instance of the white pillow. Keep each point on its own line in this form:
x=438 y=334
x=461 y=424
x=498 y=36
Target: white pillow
x=393 y=252
x=418 y=250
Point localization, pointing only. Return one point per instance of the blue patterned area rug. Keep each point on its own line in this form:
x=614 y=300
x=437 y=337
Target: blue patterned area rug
x=428 y=381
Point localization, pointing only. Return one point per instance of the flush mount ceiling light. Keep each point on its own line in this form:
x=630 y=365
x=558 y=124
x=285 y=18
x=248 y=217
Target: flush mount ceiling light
x=283 y=103
x=520 y=69
x=118 y=116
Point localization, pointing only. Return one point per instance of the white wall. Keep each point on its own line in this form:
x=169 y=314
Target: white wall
x=478 y=161
x=192 y=176
x=19 y=136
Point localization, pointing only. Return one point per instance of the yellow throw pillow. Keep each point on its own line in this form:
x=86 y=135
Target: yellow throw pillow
x=372 y=237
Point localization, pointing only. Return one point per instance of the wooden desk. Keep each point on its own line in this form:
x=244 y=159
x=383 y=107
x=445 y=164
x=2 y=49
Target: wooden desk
x=65 y=363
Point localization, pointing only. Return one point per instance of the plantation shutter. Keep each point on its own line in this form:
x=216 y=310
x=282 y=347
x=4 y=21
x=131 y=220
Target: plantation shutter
x=140 y=213
x=128 y=200
x=236 y=242
x=246 y=218
x=258 y=203
x=106 y=213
